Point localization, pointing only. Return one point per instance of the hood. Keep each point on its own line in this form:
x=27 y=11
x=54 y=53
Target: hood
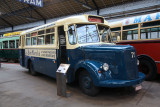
x=118 y=57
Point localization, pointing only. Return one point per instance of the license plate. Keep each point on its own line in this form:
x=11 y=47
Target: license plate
x=138 y=87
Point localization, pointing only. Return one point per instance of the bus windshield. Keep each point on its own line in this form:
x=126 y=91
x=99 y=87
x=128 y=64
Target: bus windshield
x=105 y=34
x=87 y=33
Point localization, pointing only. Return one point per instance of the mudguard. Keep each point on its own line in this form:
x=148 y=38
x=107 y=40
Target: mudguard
x=92 y=67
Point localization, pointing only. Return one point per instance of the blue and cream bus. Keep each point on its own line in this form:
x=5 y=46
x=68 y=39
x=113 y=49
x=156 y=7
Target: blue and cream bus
x=84 y=42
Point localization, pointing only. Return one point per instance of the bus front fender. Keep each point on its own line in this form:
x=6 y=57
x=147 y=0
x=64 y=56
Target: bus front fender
x=92 y=67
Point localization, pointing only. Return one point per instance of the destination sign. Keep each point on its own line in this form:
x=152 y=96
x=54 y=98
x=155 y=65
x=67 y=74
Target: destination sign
x=38 y=3
x=143 y=18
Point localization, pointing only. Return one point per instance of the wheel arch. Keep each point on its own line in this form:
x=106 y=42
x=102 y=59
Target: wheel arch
x=28 y=62
x=146 y=57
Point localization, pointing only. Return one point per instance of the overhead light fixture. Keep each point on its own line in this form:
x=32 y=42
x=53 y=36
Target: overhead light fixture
x=86 y=6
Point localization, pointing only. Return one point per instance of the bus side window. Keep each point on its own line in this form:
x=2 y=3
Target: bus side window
x=150 y=33
x=130 y=35
x=12 y=44
x=0 y=45
x=28 y=39
x=72 y=35
x=5 y=44
x=49 y=39
x=40 y=40
x=20 y=41
x=17 y=43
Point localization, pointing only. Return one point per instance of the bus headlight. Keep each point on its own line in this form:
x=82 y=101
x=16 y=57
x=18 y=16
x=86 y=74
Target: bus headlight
x=105 y=66
x=137 y=62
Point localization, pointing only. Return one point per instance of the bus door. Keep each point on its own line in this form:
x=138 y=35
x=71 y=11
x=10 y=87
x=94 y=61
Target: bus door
x=62 y=45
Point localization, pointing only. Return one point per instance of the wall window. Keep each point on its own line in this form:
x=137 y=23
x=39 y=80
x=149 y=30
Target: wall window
x=5 y=44
x=40 y=40
x=130 y=35
x=49 y=39
x=11 y=44
x=150 y=33
x=72 y=35
x=34 y=40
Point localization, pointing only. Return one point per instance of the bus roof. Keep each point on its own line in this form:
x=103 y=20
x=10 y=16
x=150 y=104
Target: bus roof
x=68 y=20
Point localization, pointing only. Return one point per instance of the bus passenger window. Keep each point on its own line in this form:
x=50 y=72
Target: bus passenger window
x=154 y=33
x=41 y=32
x=49 y=39
x=72 y=35
x=28 y=40
x=5 y=44
x=0 y=45
x=34 y=40
x=130 y=35
x=135 y=34
x=17 y=43
x=40 y=40
x=50 y=30
x=116 y=35
x=11 y=44
x=145 y=33
x=20 y=41
x=52 y=39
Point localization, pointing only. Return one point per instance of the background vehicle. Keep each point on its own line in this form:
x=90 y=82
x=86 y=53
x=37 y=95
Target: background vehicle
x=9 y=47
x=84 y=42
x=142 y=32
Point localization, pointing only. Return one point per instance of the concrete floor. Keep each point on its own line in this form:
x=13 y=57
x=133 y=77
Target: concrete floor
x=19 y=89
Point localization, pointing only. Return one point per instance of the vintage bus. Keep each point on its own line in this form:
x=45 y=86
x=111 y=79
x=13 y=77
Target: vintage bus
x=142 y=32
x=84 y=42
x=9 y=47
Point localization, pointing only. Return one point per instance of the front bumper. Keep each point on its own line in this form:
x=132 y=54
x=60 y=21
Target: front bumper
x=122 y=83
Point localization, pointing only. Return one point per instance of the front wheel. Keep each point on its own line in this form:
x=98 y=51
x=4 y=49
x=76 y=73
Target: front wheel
x=86 y=84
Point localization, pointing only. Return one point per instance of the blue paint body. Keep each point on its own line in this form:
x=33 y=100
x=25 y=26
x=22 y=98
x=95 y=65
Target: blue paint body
x=123 y=70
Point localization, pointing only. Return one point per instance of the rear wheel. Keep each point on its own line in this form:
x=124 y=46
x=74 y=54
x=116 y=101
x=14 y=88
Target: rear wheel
x=31 y=70
x=148 y=68
x=86 y=84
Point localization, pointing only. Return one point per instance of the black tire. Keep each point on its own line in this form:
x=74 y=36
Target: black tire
x=148 y=68
x=86 y=84
x=31 y=70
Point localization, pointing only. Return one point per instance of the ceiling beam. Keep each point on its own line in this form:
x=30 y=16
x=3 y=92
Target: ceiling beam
x=97 y=8
x=8 y=23
x=84 y=4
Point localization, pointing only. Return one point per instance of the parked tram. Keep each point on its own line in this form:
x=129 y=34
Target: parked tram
x=9 y=44
x=142 y=32
x=84 y=42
